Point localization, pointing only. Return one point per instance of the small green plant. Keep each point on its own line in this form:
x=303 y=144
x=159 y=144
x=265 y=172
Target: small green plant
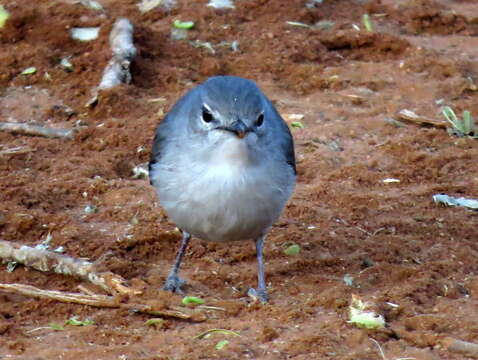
x=460 y=127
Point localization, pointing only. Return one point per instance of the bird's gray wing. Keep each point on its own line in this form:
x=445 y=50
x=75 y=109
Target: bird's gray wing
x=286 y=140
x=289 y=148
x=166 y=129
x=158 y=141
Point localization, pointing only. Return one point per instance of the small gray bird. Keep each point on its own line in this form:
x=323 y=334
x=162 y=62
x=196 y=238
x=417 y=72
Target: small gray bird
x=223 y=167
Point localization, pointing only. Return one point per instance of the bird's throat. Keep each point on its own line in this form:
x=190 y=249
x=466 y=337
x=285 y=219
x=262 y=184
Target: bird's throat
x=233 y=151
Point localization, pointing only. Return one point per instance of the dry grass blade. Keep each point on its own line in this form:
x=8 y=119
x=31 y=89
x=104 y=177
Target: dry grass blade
x=102 y=301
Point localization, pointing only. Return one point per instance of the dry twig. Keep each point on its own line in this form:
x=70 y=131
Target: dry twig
x=36 y=130
x=45 y=260
x=102 y=301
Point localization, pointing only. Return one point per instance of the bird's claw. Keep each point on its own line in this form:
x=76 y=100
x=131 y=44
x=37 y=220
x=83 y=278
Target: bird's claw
x=174 y=283
x=260 y=294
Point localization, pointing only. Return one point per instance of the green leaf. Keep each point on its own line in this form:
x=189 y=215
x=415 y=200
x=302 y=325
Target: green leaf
x=297 y=124
x=56 y=326
x=178 y=24
x=221 y=344
x=4 y=15
x=360 y=316
x=192 y=300
x=368 y=320
x=207 y=333
x=29 y=71
x=298 y=24
x=75 y=322
x=292 y=250
x=450 y=116
x=367 y=23
x=467 y=122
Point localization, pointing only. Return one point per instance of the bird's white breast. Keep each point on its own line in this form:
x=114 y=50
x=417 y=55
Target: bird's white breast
x=224 y=196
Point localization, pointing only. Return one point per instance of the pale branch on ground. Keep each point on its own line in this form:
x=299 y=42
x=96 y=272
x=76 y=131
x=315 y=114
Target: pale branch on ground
x=448 y=343
x=124 y=51
x=103 y=301
x=45 y=260
x=460 y=347
x=36 y=130
x=410 y=116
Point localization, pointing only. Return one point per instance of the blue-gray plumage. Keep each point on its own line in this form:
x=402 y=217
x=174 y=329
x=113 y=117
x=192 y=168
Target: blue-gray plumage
x=223 y=167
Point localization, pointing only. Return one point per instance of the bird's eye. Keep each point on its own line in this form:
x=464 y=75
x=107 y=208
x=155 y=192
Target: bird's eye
x=206 y=115
x=260 y=120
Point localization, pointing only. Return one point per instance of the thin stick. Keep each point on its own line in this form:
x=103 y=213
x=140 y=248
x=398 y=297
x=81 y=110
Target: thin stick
x=102 y=301
x=44 y=260
x=36 y=130
x=409 y=115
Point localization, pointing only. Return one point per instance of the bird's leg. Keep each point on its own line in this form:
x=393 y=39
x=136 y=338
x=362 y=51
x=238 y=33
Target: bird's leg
x=261 y=291
x=173 y=282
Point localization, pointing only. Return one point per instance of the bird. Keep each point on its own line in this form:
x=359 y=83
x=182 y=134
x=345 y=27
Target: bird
x=223 y=168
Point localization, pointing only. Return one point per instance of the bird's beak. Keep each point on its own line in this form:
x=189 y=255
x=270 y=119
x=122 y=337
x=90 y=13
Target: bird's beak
x=239 y=128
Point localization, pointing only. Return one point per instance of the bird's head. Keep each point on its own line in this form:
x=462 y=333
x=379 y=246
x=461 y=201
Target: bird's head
x=229 y=106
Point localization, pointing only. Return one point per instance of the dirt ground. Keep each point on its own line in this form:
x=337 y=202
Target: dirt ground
x=388 y=243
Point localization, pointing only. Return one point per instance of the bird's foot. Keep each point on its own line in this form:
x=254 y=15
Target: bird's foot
x=174 y=283
x=260 y=294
